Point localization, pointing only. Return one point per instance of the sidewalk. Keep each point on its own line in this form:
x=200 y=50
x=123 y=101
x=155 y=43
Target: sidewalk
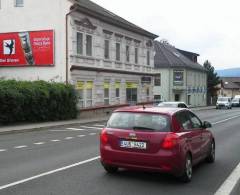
x=34 y=126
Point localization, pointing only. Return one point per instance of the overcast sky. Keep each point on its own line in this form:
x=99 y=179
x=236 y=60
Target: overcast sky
x=208 y=27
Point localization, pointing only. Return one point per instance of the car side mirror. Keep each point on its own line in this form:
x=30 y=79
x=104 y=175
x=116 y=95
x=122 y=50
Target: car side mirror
x=206 y=124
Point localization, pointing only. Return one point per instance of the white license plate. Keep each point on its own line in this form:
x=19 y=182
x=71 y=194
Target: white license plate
x=133 y=144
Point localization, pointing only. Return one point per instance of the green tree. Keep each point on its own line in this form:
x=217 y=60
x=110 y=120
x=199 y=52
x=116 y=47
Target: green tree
x=212 y=79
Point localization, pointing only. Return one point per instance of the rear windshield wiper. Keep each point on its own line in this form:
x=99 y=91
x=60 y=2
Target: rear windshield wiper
x=142 y=128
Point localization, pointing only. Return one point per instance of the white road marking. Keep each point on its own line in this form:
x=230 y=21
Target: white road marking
x=48 y=173
x=226 y=120
x=228 y=186
x=92 y=133
x=88 y=127
x=76 y=129
x=55 y=140
x=81 y=135
x=99 y=125
x=3 y=150
x=63 y=130
x=39 y=143
x=68 y=138
x=19 y=147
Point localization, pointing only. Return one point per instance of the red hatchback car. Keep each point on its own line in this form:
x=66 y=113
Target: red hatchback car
x=170 y=140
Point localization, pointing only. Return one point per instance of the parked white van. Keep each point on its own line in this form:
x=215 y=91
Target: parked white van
x=224 y=102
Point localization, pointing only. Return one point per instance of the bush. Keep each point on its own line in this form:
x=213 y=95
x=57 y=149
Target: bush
x=25 y=101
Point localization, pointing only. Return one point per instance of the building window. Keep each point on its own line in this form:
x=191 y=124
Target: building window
x=157 y=80
x=117 y=86
x=79 y=43
x=127 y=53
x=136 y=55
x=19 y=3
x=106 y=49
x=89 y=45
x=148 y=57
x=118 y=51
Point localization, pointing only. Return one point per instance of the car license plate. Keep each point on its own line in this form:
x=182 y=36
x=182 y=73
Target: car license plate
x=133 y=144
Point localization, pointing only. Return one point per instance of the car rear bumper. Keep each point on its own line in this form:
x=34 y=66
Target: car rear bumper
x=162 y=161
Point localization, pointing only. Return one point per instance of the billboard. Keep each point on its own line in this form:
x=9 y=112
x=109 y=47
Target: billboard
x=34 y=48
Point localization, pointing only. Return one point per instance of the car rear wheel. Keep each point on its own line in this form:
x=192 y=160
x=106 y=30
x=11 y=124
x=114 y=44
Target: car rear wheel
x=187 y=173
x=211 y=156
x=110 y=169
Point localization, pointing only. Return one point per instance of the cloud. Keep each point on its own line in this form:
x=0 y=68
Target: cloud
x=208 y=27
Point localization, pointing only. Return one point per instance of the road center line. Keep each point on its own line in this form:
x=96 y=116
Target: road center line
x=48 y=173
x=68 y=138
x=19 y=147
x=55 y=140
x=76 y=129
x=39 y=143
x=3 y=150
x=98 y=128
x=228 y=186
x=226 y=120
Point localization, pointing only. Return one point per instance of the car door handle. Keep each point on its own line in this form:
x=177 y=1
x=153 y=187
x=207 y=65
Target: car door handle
x=189 y=139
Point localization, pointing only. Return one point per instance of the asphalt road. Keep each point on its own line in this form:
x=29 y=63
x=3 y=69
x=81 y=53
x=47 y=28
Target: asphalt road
x=29 y=154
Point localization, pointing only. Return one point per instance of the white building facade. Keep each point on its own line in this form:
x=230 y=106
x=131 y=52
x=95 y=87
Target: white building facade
x=178 y=78
x=108 y=59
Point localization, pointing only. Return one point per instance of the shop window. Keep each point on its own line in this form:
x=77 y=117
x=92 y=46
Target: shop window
x=106 y=93
x=136 y=55
x=80 y=98
x=148 y=57
x=157 y=80
x=118 y=46
x=106 y=96
x=19 y=3
x=84 y=93
x=89 y=45
x=79 y=43
x=106 y=49
x=127 y=53
x=89 y=97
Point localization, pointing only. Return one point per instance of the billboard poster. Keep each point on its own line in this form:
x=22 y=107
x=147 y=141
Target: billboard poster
x=34 y=48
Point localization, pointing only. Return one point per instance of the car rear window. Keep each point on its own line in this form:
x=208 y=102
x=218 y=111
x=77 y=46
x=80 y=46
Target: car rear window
x=139 y=121
x=168 y=105
x=222 y=99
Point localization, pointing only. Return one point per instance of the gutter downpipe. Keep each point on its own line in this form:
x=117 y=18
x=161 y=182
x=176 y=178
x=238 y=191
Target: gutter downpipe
x=66 y=39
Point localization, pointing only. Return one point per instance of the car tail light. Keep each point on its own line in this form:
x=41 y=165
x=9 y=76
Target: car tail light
x=170 y=141
x=104 y=136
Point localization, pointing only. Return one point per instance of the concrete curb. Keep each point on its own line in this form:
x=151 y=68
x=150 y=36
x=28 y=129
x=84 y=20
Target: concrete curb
x=38 y=126
x=236 y=189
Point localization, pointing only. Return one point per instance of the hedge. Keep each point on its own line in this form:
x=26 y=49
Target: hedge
x=25 y=101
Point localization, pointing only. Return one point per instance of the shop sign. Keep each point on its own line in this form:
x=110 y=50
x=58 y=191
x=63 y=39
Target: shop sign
x=117 y=85
x=80 y=85
x=130 y=85
x=146 y=79
x=89 y=85
x=106 y=85
x=32 y=48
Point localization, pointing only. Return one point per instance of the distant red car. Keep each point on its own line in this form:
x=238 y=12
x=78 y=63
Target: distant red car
x=168 y=140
